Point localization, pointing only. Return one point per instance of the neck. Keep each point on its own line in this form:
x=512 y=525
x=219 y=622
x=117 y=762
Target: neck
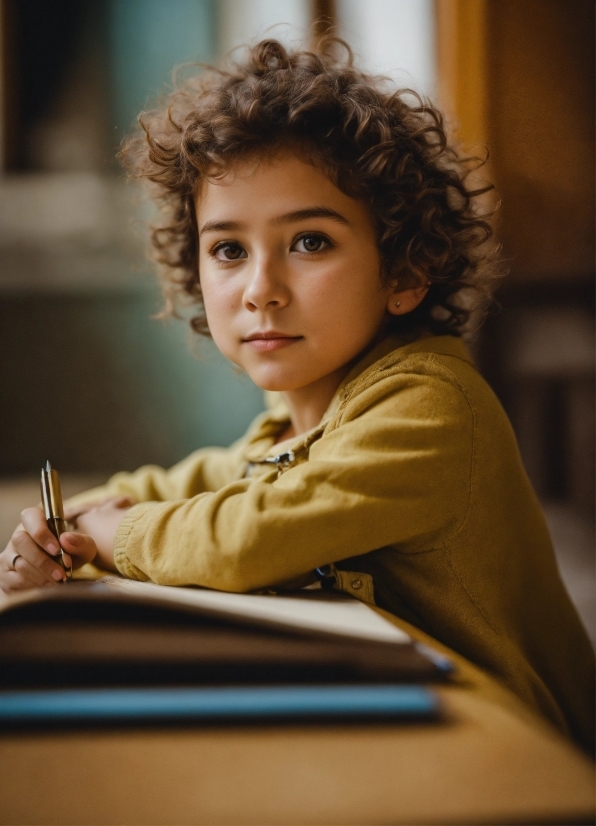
x=307 y=405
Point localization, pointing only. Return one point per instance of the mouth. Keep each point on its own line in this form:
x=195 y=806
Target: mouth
x=269 y=340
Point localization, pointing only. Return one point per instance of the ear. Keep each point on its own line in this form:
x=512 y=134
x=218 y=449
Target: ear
x=401 y=302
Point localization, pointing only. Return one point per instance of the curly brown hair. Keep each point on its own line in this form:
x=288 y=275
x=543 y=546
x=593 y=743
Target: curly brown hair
x=385 y=146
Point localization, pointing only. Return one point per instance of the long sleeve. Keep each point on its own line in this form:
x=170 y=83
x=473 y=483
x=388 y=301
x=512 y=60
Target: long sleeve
x=207 y=469
x=376 y=477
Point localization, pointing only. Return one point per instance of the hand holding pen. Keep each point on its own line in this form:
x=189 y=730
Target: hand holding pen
x=39 y=553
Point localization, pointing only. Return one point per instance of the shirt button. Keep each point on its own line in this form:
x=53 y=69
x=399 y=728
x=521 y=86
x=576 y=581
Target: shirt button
x=356 y=584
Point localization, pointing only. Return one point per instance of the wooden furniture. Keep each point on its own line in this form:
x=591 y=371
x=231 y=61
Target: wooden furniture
x=491 y=761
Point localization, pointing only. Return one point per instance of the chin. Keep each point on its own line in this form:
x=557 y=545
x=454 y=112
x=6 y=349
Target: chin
x=271 y=385
x=275 y=382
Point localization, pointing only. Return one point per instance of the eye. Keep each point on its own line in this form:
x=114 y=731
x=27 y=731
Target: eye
x=228 y=251
x=311 y=242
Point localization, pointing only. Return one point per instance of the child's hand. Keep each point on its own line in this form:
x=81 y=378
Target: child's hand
x=29 y=559
x=96 y=529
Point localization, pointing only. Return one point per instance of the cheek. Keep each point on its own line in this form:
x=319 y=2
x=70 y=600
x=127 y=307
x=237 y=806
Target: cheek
x=221 y=308
x=219 y=297
x=350 y=295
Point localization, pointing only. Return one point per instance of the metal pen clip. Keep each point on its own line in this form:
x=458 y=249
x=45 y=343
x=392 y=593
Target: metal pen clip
x=51 y=496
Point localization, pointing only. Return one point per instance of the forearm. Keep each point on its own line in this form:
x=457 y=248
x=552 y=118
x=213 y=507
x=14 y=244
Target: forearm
x=378 y=480
x=257 y=534
x=204 y=470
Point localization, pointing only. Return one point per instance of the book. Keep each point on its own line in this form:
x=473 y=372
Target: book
x=324 y=703
x=117 y=633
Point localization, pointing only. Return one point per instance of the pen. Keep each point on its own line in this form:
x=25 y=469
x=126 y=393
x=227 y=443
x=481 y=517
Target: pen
x=51 y=496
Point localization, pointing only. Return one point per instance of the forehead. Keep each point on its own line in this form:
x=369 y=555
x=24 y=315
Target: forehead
x=269 y=186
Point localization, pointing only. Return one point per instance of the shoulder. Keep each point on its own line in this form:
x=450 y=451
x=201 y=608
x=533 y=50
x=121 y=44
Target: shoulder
x=431 y=378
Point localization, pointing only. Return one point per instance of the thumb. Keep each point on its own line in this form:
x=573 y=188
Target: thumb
x=80 y=547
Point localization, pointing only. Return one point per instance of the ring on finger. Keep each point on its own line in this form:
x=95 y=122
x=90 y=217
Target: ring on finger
x=14 y=561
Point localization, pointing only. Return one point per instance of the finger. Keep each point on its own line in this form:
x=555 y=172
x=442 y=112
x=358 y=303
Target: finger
x=29 y=573
x=34 y=522
x=79 y=547
x=28 y=576
x=22 y=544
x=17 y=581
x=124 y=502
x=72 y=511
x=124 y=498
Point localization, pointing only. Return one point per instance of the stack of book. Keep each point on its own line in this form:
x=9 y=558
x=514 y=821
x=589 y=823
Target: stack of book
x=114 y=651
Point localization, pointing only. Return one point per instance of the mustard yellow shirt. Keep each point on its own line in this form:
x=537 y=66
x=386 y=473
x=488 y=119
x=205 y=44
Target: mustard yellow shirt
x=413 y=490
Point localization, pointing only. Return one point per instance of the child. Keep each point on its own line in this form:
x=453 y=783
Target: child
x=323 y=229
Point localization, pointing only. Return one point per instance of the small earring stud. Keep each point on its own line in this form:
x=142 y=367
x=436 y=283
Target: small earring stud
x=397 y=304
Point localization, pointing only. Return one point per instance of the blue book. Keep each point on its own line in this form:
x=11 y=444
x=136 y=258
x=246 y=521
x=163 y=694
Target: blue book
x=322 y=703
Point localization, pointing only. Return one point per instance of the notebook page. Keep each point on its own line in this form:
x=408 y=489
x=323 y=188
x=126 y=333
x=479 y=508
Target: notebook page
x=347 y=617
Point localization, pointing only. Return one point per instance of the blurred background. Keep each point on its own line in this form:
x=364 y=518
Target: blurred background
x=90 y=381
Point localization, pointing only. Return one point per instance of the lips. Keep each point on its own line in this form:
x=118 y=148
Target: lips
x=269 y=340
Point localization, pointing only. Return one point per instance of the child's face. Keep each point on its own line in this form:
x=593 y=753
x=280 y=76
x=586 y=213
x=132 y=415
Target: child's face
x=290 y=273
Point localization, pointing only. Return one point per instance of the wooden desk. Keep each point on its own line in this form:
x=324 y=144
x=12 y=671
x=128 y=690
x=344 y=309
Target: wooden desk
x=492 y=762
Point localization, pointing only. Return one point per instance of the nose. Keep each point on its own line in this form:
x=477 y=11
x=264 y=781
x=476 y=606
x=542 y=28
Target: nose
x=266 y=287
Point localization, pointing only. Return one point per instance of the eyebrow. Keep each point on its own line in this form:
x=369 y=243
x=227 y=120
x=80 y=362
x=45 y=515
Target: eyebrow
x=288 y=218
x=311 y=212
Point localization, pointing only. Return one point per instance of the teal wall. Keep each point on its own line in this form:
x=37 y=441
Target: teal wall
x=87 y=378
x=146 y=39
x=183 y=379
x=100 y=386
